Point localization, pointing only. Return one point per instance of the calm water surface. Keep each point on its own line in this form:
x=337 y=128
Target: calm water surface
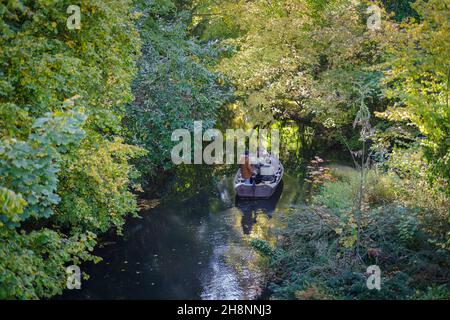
x=193 y=247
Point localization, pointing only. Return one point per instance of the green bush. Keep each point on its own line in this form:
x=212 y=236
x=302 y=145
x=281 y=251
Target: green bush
x=32 y=265
x=30 y=167
x=64 y=168
x=382 y=188
x=337 y=195
x=94 y=185
x=320 y=257
x=315 y=264
x=174 y=86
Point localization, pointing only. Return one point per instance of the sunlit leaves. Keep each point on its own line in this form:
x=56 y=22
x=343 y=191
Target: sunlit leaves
x=94 y=188
x=418 y=80
x=297 y=59
x=50 y=154
x=11 y=206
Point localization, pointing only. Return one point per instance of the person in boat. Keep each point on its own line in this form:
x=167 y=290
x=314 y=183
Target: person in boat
x=246 y=168
x=261 y=156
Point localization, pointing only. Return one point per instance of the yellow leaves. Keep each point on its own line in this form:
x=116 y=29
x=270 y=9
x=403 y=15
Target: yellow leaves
x=104 y=164
x=11 y=203
x=418 y=76
x=136 y=15
x=70 y=43
x=348 y=241
x=395 y=114
x=70 y=102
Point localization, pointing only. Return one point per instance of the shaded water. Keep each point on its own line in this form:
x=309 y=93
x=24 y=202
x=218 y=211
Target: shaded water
x=191 y=246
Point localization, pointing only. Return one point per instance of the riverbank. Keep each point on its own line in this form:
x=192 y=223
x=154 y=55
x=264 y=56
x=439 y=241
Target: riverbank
x=321 y=254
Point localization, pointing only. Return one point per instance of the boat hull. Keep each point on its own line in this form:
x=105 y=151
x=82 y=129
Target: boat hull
x=258 y=191
x=255 y=191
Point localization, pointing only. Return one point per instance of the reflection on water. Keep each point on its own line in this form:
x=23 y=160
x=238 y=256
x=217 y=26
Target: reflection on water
x=194 y=248
x=251 y=208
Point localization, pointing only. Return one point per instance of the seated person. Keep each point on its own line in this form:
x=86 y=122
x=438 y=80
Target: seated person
x=246 y=168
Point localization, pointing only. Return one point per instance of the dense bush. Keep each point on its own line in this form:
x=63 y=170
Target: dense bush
x=64 y=168
x=418 y=81
x=32 y=263
x=174 y=86
x=317 y=257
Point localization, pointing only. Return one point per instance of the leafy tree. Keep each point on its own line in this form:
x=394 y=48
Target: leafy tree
x=32 y=264
x=299 y=60
x=30 y=167
x=62 y=96
x=174 y=86
x=401 y=8
x=418 y=82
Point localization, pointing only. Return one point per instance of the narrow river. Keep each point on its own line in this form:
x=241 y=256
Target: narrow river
x=193 y=246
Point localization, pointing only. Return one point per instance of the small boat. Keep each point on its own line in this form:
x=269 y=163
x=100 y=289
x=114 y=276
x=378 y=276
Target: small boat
x=265 y=183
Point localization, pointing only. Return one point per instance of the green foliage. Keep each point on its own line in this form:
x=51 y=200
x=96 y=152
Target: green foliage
x=418 y=82
x=94 y=185
x=298 y=60
x=433 y=293
x=32 y=265
x=95 y=62
x=12 y=206
x=337 y=195
x=64 y=168
x=406 y=183
x=174 y=87
x=401 y=8
x=30 y=167
x=262 y=247
x=317 y=264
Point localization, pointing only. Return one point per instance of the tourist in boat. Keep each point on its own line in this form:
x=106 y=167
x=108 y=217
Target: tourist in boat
x=246 y=168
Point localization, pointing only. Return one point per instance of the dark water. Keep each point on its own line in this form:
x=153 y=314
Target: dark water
x=193 y=245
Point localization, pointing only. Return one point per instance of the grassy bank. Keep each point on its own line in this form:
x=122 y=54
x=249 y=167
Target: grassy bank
x=403 y=229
